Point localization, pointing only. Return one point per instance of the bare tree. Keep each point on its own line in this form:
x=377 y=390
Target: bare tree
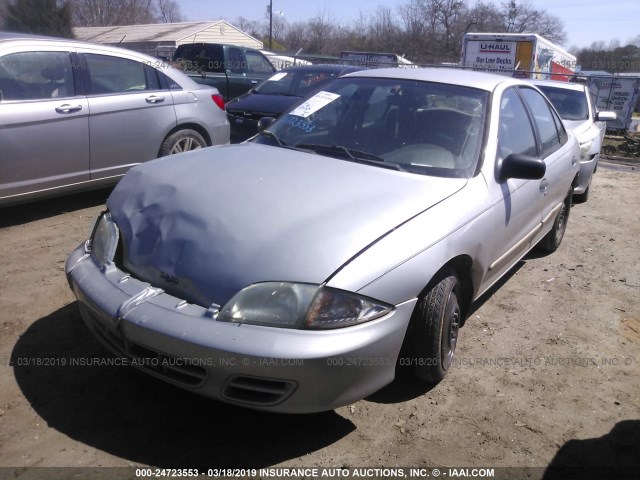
x=100 y=13
x=297 y=37
x=320 y=29
x=484 y=17
x=523 y=18
x=168 y=11
x=279 y=28
x=44 y=17
x=253 y=28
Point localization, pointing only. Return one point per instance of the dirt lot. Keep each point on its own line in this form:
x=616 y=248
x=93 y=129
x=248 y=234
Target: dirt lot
x=547 y=369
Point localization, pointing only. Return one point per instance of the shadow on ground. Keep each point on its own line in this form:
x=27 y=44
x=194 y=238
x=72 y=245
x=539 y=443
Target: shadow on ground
x=29 y=212
x=133 y=416
x=614 y=455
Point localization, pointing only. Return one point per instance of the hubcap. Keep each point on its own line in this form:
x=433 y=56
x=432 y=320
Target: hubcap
x=562 y=223
x=186 y=145
x=450 y=335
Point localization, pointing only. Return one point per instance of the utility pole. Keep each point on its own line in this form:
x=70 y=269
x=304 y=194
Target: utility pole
x=270 y=23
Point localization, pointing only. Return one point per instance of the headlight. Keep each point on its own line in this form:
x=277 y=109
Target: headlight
x=103 y=240
x=300 y=305
x=584 y=150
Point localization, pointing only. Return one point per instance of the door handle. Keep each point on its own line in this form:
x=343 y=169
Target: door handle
x=573 y=160
x=544 y=186
x=254 y=82
x=154 y=99
x=66 y=108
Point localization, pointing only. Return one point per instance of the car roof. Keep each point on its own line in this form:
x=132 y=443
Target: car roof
x=557 y=84
x=455 y=76
x=27 y=36
x=322 y=67
x=22 y=40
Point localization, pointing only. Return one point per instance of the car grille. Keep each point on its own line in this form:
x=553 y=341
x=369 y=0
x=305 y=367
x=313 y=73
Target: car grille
x=251 y=115
x=258 y=391
x=169 y=367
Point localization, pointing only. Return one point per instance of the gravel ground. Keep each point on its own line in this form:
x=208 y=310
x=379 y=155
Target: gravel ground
x=547 y=370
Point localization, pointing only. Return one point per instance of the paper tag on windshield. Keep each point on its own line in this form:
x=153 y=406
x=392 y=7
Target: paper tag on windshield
x=314 y=104
x=278 y=76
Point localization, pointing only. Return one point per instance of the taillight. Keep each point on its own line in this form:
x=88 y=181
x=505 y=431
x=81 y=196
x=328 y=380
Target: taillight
x=218 y=100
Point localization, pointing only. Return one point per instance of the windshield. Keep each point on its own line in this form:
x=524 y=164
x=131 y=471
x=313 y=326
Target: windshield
x=415 y=126
x=297 y=83
x=571 y=104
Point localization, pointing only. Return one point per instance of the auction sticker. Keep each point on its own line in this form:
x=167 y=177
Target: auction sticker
x=315 y=103
x=278 y=76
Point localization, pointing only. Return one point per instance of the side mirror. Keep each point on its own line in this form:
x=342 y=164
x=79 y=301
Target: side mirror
x=521 y=166
x=264 y=123
x=605 y=116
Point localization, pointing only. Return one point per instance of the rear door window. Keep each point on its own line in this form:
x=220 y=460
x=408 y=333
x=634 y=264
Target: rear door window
x=257 y=63
x=109 y=75
x=543 y=117
x=199 y=57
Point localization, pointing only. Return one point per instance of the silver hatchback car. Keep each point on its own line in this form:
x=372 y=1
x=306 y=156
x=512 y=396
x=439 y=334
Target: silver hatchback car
x=75 y=116
x=296 y=272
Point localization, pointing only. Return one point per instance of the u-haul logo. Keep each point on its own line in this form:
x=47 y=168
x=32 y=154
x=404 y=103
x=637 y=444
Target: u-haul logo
x=495 y=48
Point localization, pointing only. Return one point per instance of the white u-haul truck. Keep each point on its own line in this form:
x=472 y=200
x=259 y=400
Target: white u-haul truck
x=524 y=55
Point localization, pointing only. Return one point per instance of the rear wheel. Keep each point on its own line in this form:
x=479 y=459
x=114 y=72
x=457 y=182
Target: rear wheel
x=435 y=323
x=552 y=240
x=182 y=141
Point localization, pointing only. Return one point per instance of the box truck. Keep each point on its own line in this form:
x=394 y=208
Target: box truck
x=524 y=55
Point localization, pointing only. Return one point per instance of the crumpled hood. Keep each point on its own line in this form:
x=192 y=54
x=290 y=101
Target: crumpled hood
x=204 y=224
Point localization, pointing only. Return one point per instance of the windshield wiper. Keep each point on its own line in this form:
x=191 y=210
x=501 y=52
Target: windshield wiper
x=269 y=134
x=358 y=156
x=283 y=144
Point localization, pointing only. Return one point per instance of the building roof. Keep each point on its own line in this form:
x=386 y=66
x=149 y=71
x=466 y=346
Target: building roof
x=156 y=32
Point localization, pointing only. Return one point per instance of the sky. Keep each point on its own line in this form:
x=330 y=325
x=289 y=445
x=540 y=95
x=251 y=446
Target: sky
x=585 y=21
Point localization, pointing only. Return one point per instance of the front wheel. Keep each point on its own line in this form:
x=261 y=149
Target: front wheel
x=436 y=320
x=182 y=141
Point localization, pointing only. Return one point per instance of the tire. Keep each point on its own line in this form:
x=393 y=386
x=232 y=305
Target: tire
x=434 y=333
x=553 y=239
x=182 y=141
x=584 y=196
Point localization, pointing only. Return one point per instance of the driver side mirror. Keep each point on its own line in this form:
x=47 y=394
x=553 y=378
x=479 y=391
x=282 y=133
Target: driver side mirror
x=521 y=166
x=264 y=123
x=605 y=116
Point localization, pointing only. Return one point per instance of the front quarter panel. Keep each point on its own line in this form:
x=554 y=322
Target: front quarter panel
x=399 y=266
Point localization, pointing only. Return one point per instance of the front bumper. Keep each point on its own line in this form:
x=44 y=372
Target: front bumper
x=586 y=172
x=276 y=369
x=241 y=128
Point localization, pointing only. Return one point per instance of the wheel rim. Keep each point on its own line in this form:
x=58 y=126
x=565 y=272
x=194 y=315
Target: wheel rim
x=450 y=335
x=185 y=145
x=562 y=224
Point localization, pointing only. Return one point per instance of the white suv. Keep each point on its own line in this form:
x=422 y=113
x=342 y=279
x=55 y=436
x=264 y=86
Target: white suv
x=575 y=105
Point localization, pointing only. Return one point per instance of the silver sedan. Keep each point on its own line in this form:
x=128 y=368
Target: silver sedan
x=300 y=271
x=77 y=116
x=578 y=111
